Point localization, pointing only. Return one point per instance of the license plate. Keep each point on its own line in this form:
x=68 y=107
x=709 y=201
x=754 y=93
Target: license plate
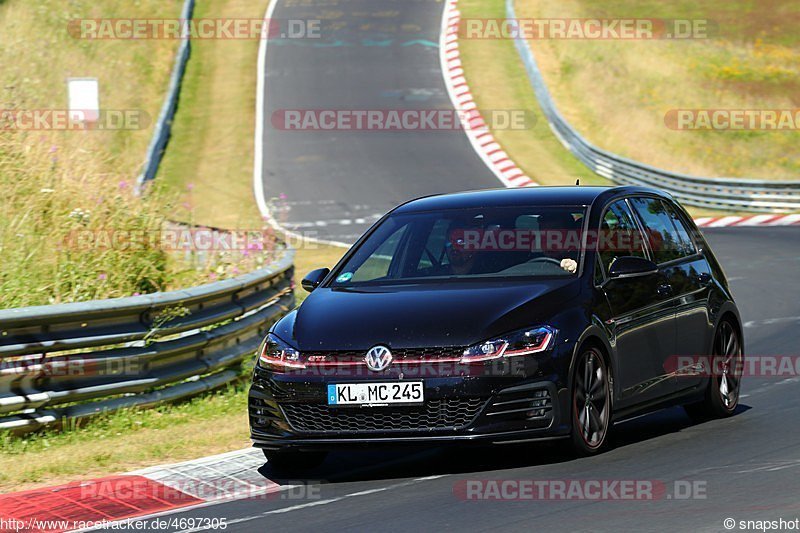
x=375 y=394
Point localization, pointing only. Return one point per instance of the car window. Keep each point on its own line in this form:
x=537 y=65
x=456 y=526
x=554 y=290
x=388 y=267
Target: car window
x=619 y=235
x=683 y=232
x=377 y=264
x=666 y=242
x=434 y=252
x=482 y=242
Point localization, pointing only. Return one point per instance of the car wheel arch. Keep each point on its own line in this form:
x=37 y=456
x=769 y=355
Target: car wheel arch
x=593 y=336
x=728 y=312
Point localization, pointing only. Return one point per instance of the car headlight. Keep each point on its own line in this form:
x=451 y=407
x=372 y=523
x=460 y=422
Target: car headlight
x=276 y=354
x=522 y=342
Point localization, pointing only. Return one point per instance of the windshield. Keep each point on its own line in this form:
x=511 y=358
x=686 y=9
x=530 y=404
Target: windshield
x=495 y=242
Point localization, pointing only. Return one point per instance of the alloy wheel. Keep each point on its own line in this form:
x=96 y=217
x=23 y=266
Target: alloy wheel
x=728 y=365
x=592 y=400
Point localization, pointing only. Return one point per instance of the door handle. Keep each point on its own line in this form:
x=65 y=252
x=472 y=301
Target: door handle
x=664 y=289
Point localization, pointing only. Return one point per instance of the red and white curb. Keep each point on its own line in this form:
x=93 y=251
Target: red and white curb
x=748 y=221
x=140 y=494
x=481 y=138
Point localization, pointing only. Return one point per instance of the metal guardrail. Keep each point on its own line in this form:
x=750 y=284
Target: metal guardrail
x=163 y=127
x=71 y=361
x=714 y=193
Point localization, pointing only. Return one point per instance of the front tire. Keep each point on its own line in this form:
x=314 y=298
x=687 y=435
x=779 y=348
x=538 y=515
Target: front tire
x=722 y=394
x=591 y=403
x=293 y=461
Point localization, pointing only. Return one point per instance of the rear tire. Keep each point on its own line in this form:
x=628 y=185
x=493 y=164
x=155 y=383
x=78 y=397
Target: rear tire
x=724 y=385
x=591 y=403
x=293 y=461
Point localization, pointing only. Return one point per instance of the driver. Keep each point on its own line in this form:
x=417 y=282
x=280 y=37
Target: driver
x=459 y=255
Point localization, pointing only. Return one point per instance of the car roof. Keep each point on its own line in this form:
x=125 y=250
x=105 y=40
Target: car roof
x=523 y=196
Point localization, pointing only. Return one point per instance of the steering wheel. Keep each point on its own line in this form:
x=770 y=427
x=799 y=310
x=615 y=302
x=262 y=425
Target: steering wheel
x=546 y=260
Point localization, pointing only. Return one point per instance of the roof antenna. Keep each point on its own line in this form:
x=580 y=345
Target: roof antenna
x=578 y=181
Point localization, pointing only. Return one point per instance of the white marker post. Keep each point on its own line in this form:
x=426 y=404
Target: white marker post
x=84 y=99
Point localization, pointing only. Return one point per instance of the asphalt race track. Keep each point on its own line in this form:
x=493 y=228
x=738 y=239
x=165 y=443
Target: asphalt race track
x=745 y=467
x=372 y=55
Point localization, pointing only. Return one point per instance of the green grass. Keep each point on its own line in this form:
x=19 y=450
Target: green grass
x=211 y=149
x=131 y=439
x=38 y=54
x=127 y=440
x=209 y=166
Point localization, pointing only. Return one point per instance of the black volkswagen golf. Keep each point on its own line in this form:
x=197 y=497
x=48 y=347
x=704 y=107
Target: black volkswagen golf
x=501 y=316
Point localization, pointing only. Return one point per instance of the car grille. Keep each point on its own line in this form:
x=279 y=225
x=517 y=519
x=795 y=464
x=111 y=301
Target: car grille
x=399 y=355
x=433 y=415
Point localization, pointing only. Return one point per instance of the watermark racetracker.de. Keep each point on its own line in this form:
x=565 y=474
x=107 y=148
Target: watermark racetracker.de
x=133 y=488
x=196 y=29
x=391 y=120
x=624 y=29
x=579 y=490
x=73 y=120
x=755 y=366
x=733 y=119
x=183 y=239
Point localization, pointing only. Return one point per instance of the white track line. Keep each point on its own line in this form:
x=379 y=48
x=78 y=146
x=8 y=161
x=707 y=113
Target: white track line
x=323 y=502
x=258 y=163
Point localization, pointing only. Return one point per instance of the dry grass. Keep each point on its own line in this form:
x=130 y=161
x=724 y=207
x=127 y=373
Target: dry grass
x=49 y=207
x=129 y=440
x=57 y=182
x=497 y=79
x=617 y=93
x=38 y=55
x=209 y=165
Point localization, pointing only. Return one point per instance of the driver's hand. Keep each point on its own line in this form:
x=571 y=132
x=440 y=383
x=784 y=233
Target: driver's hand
x=570 y=265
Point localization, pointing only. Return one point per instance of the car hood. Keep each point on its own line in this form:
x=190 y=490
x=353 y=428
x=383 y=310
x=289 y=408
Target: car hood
x=456 y=314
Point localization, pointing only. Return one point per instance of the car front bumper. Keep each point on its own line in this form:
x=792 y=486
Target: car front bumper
x=291 y=411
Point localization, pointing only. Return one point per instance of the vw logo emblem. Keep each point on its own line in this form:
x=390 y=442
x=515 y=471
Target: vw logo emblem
x=378 y=358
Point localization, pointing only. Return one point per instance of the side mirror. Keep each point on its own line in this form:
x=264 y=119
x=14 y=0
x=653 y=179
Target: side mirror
x=314 y=278
x=631 y=267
